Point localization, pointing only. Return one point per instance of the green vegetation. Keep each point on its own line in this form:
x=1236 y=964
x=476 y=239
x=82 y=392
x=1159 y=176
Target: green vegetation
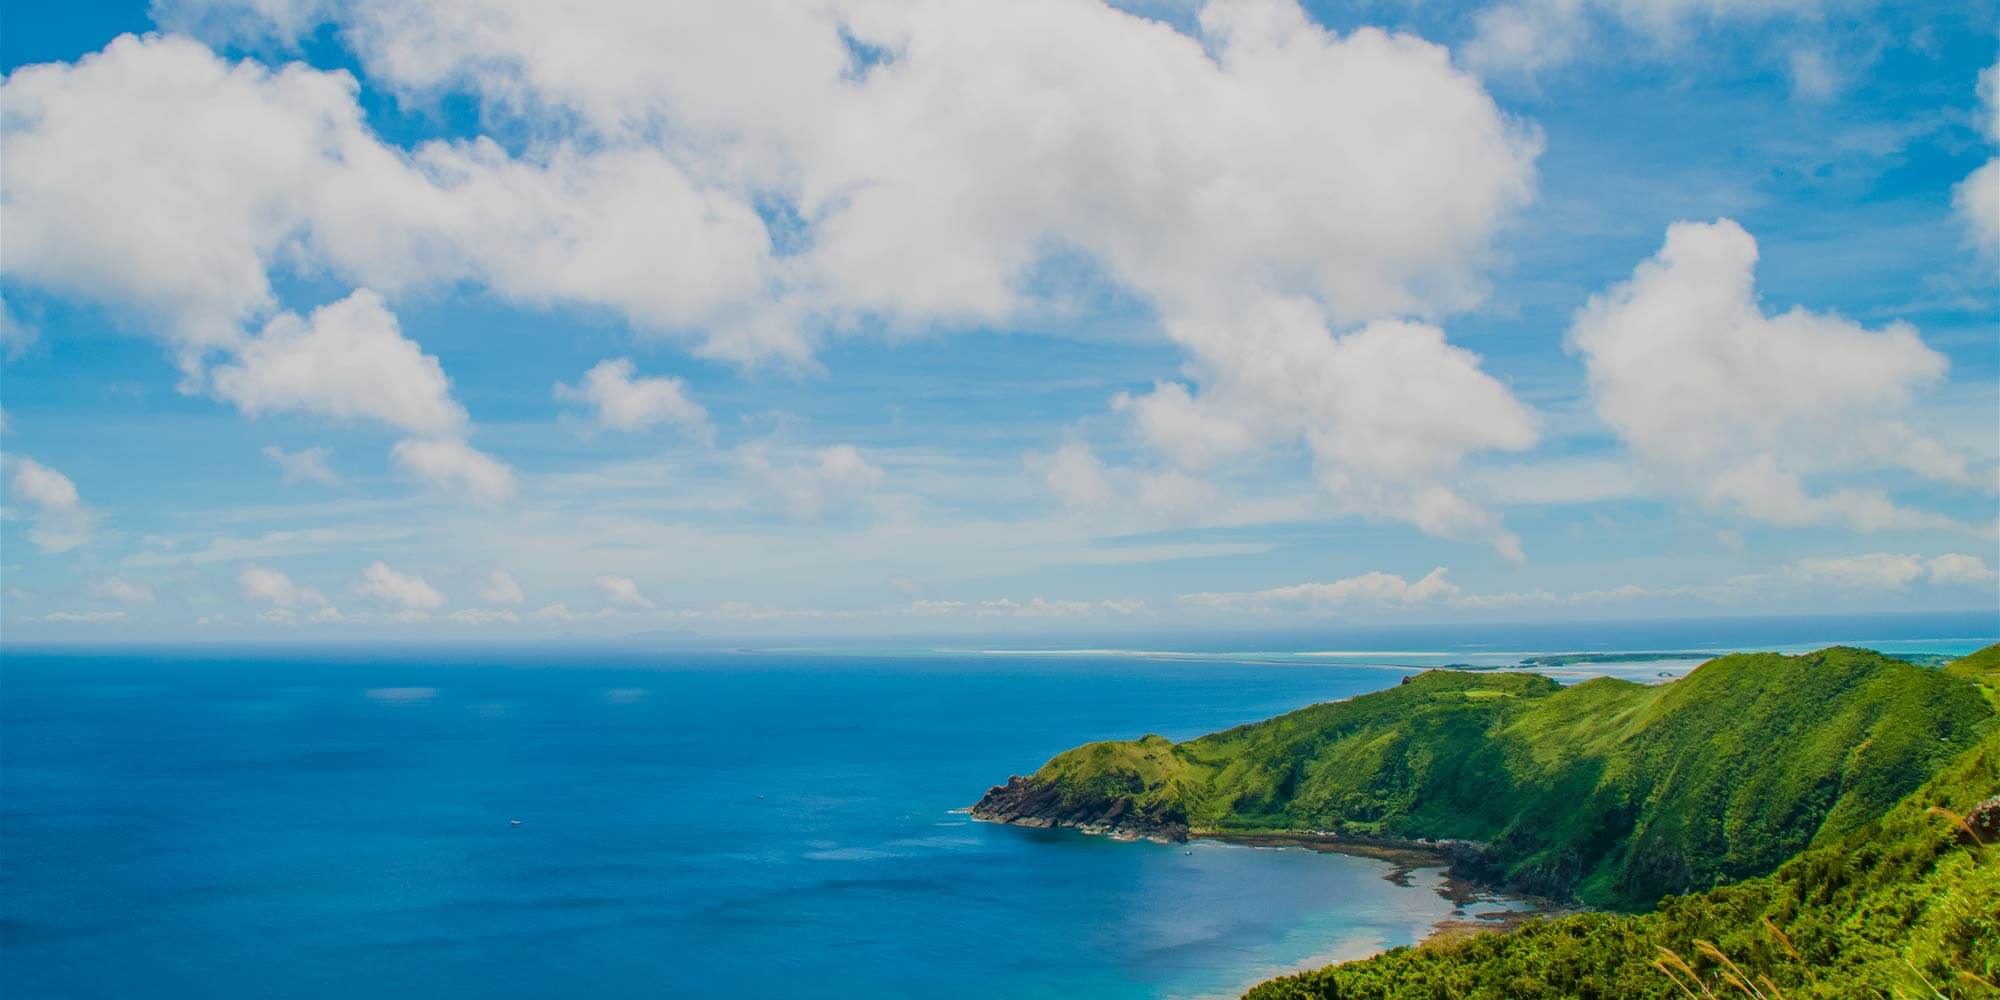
x=1614 y=792
x=1982 y=668
x=1904 y=906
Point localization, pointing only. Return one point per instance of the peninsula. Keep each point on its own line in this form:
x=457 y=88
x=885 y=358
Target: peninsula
x=1617 y=795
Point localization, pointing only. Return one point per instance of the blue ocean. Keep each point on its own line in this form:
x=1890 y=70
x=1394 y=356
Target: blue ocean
x=661 y=819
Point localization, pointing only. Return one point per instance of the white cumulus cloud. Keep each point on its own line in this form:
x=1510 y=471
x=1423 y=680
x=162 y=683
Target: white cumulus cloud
x=348 y=360
x=307 y=465
x=622 y=591
x=1977 y=198
x=831 y=480
x=1075 y=475
x=160 y=177
x=1371 y=588
x=58 y=519
x=1738 y=406
x=1271 y=189
x=117 y=588
x=484 y=616
x=1531 y=35
x=411 y=593
x=83 y=617
x=456 y=467
x=499 y=588
x=626 y=403
x=261 y=583
x=1959 y=568
x=1893 y=571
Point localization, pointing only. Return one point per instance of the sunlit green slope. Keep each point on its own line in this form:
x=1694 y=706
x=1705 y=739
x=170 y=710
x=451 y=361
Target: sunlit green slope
x=1615 y=792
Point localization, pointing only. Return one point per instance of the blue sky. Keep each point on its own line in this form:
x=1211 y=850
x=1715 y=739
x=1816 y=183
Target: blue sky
x=437 y=320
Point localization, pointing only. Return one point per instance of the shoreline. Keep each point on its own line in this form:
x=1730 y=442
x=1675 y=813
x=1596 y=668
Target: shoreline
x=1404 y=856
x=1408 y=856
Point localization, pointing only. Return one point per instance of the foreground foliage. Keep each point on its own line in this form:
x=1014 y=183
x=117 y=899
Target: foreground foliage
x=1615 y=792
x=1905 y=906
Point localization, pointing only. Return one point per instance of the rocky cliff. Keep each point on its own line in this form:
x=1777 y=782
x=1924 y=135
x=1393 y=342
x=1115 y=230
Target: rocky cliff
x=1028 y=801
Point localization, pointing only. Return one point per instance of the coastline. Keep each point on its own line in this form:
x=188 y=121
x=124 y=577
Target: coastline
x=1025 y=801
x=1404 y=856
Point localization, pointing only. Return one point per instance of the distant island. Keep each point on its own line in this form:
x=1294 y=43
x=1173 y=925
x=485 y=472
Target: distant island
x=1582 y=659
x=1867 y=783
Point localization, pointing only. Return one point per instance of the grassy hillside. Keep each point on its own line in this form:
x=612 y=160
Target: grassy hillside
x=1907 y=905
x=1982 y=668
x=1616 y=792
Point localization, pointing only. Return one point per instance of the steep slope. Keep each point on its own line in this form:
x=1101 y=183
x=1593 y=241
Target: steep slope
x=1982 y=668
x=1907 y=905
x=1616 y=792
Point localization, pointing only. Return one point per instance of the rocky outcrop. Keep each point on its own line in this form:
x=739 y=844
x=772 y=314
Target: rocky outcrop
x=1982 y=823
x=1027 y=801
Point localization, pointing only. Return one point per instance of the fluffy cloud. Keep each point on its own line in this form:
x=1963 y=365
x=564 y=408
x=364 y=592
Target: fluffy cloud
x=1177 y=497
x=303 y=466
x=1814 y=75
x=16 y=335
x=834 y=479
x=117 y=588
x=1265 y=185
x=499 y=588
x=1889 y=571
x=58 y=519
x=348 y=360
x=1978 y=200
x=1989 y=102
x=1978 y=196
x=164 y=180
x=1372 y=588
x=1233 y=148
x=83 y=617
x=1128 y=498
x=1170 y=420
x=1738 y=406
x=159 y=177
x=625 y=403
x=269 y=585
x=452 y=465
x=483 y=616
x=622 y=591
x=1529 y=35
x=1074 y=475
x=560 y=612
x=42 y=487
x=1388 y=411
x=1959 y=568
x=1034 y=607
x=411 y=593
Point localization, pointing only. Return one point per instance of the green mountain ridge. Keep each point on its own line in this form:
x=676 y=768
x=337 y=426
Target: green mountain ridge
x=1906 y=906
x=1613 y=792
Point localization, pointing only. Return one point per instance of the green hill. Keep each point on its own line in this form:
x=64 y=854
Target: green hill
x=1615 y=792
x=1904 y=906
x=1982 y=668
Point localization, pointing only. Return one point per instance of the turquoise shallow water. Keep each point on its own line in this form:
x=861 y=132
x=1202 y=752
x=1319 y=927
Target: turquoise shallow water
x=299 y=823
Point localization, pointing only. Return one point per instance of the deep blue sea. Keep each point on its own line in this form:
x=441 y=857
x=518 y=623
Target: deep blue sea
x=300 y=822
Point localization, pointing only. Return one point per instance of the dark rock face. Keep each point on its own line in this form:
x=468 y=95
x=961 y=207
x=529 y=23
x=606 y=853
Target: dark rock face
x=1024 y=801
x=1982 y=824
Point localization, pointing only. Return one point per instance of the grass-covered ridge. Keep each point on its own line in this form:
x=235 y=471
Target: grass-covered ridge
x=1616 y=792
x=1907 y=905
